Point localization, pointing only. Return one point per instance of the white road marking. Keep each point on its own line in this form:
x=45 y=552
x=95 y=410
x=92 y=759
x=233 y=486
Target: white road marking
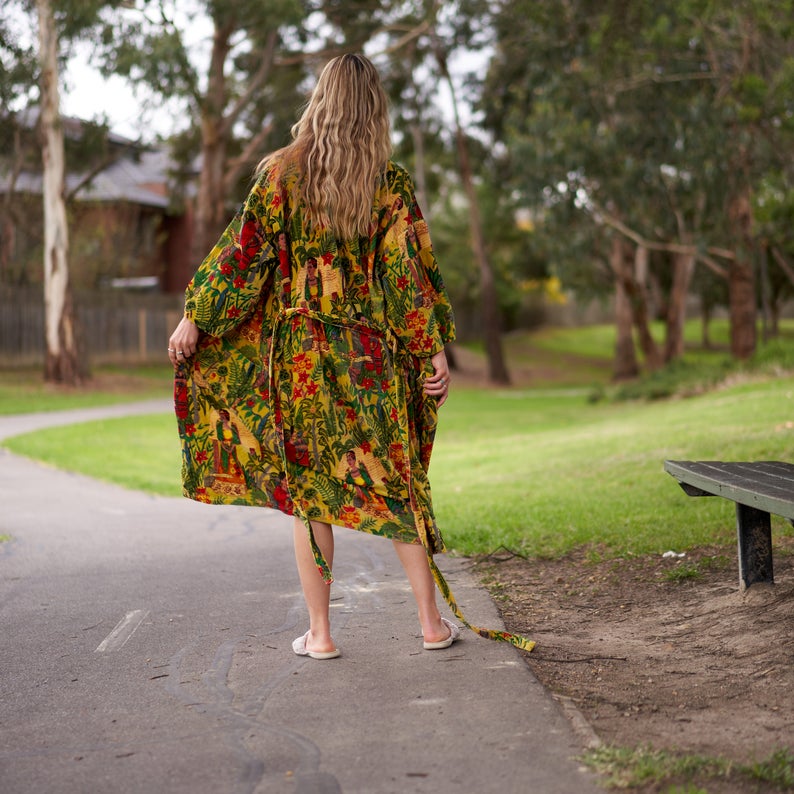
x=125 y=628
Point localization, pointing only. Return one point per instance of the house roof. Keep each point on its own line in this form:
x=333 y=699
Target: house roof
x=139 y=175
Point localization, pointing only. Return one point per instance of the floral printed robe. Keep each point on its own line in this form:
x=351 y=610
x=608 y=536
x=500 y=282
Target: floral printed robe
x=305 y=394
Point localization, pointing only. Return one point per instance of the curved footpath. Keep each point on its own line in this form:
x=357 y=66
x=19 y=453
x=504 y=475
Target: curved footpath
x=145 y=647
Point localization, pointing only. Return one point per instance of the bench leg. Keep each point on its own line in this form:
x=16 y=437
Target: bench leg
x=755 y=546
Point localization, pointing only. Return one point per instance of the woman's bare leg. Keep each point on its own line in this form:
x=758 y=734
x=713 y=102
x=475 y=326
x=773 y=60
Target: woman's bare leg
x=414 y=560
x=315 y=590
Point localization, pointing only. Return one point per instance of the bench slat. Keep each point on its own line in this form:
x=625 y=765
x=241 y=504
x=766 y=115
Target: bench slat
x=763 y=485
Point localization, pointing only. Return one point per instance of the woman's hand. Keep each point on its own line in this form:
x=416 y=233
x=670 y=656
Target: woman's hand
x=183 y=341
x=437 y=385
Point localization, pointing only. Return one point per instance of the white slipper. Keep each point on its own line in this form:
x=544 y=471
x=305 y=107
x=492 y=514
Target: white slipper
x=454 y=634
x=299 y=647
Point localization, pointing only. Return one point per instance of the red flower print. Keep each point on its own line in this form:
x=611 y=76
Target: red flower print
x=328 y=258
x=201 y=456
x=311 y=389
x=239 y=282
x=367 y=384
x=233 y=312
x=276 y=202
x=248 y=235
x=366 y=447
x=414 y=320
x=190 y=429
x=384 y=385
x=402 y=282
x=351 y=415
x=394 y=415
x=349 y=515
x=226 y=269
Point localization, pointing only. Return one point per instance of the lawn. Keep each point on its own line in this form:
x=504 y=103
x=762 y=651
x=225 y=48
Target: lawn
x=22 y=390
x=537 y=471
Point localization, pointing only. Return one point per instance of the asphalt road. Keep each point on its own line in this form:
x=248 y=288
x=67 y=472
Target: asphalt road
x=145 y=647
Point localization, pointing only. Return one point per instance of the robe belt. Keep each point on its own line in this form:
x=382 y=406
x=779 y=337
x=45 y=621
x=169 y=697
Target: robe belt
x=422 y=532
x=286 y=314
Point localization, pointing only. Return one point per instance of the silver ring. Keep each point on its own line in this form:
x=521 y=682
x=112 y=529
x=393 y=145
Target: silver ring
x=180 y=352
x=443 y=382
x=171 y=350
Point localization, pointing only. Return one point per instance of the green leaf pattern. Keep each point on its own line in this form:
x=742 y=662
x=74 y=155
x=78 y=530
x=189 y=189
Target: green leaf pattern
x=305 y=394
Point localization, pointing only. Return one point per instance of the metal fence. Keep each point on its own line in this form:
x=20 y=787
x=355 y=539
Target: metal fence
x=113 y=327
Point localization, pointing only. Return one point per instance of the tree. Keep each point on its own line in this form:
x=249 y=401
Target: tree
x=657 y=121
x=61 y=359
x=235 y=106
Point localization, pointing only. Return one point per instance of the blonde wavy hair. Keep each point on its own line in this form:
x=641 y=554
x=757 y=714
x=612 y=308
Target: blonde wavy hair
x=341 y=146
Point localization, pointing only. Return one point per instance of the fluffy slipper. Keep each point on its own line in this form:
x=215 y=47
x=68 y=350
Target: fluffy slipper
x=454 y=634
x=299 y=647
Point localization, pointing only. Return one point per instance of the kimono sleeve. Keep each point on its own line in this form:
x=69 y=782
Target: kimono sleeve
x=418 y=308
x=228 y=284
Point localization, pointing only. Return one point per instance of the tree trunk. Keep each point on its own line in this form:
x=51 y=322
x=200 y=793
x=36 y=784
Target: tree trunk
x=210 y=218
x=491 y=320
x=705 y=321
x=683 y=269
x=62 y=364
x=640 y=308
x=625 y=355
x=741 y=282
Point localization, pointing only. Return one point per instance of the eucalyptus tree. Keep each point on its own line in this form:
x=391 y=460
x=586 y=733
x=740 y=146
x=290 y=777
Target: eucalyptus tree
x=58 y=23
x=642 y=117
x=233 y=104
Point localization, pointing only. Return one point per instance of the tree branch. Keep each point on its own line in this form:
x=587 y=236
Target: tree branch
x=632 y=83
x=673 y=248
x=256 y=82
x=235 y=167
x=785 y=265
x=332 y=52
x=86 y=179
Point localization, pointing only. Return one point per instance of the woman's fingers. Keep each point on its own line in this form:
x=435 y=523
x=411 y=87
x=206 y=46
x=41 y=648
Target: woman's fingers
x=183 y=342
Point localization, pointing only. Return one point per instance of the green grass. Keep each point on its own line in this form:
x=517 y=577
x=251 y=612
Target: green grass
x=505 y=474
x=538 y=472
x=631 y=768
x=24 y=390
x=138 y=452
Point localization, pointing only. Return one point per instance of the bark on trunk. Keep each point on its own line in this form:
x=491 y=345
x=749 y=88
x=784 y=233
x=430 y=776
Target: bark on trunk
x=683 y=269
x=625 y=355
x=640 y=308
x=741 y=282
x=491 y=319
x=210 y=218
x=62 y=363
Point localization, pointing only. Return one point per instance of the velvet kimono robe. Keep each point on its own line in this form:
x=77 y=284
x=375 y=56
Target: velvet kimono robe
x=305 y=394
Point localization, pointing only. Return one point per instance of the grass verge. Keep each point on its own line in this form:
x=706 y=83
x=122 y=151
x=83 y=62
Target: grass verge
x=638 y=768
x=24 y=391
x=537 y=472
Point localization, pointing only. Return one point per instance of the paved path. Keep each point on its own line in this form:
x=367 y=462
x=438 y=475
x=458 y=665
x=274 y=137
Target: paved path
x=145 y=647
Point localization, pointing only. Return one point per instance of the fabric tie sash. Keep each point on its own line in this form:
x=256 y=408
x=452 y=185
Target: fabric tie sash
x=423 y=531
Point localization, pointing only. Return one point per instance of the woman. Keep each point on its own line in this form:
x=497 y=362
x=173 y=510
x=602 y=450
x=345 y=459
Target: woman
x=316 y=326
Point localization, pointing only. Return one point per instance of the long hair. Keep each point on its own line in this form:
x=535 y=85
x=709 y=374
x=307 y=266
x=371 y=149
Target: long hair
x=341 y=146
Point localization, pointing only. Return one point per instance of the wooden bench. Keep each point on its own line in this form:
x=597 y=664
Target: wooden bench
x=759 y=489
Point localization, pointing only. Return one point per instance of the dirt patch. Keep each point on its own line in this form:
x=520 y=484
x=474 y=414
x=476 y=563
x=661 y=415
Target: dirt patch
x=660 y=651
